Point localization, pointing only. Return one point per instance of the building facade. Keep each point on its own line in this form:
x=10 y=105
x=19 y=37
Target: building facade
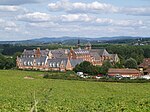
x=63 y=59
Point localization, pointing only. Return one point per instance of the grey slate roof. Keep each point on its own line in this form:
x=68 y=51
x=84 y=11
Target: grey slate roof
x=59 y=53
x=28 y=61
x=56 y=62
x=40 y=60
x=74 y=62
x=30 y=53
x=95 y=55
x=101 y=52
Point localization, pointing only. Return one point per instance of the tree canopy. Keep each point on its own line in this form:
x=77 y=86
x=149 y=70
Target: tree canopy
x=131 y=63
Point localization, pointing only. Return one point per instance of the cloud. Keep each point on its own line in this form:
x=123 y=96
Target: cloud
x=18 y=2
x=76 y=18
x=41 y=19
x=96 y=8
x=35 y=17
x=137 y=11
x=6 y=8
x=8 y=25
x=79 y=7
x=129 y=23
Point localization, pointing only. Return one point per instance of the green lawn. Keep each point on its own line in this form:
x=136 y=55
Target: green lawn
x=17 y=94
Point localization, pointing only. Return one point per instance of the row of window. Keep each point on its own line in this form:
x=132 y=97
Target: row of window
x=39 y=64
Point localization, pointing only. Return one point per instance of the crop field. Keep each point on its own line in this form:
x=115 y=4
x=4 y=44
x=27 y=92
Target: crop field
x=21 y=93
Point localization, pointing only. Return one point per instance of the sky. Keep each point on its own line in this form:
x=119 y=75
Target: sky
x=30 y=19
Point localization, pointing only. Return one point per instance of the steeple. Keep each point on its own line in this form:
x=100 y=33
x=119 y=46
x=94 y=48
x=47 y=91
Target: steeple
x=78 y=45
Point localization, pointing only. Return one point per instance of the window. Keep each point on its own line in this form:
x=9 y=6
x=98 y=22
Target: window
x=28 y=63
x=50 y=64
x=39 y=63
x=58 y=64
x=24 y=62
x=54 y=64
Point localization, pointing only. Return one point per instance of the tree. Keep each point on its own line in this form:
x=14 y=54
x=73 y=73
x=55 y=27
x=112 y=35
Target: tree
x=15 y=57
x=105 y=67
x=9 y=63
x=87 y=67
x=118 y=65
x=130 y=63
x=2 y=61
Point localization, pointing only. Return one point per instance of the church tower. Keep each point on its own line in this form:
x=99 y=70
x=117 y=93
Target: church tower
x=78 y=45
x=88 y=46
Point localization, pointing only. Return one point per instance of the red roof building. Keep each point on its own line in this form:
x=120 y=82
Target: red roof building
x=124 y=72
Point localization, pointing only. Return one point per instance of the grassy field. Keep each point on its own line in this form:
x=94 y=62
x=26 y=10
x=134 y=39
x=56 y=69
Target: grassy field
x=19 y=95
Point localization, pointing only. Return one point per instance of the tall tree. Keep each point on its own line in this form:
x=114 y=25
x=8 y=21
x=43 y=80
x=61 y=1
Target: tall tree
x=130 y=63
x=105 y=67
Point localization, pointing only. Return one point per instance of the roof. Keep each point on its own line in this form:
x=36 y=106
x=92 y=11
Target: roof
x=81 y=51
x=57 y=62
x=59 y=53
x=146 y=63
x=95 y=55
x=30 y=53
x=26 y=59
x=119 y=71
x=30 y=60
x=41 y=59
x=101 y=52
x=74 y=62
x=88 y=44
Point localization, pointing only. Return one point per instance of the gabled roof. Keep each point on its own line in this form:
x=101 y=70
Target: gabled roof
x=74 y=62
x=101 y=52
x=95 y=55
x=59 y=53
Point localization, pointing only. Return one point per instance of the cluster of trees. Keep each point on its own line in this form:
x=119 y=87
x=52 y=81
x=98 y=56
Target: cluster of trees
x=87 y=67
x=8 y=62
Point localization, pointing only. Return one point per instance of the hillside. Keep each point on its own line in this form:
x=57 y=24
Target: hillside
x=73 y=40
x=19 y=94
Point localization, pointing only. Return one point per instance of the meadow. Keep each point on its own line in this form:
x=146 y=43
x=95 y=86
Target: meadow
x=18 y=94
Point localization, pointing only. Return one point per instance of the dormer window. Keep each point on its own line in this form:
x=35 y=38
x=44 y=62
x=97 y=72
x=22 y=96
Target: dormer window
x=50 y=64
x=54 y=64
x=39 y=63
x=25 y=63
x=28 y=63
x=58 y=64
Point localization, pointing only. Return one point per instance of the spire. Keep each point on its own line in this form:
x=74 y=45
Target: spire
x=78 y=45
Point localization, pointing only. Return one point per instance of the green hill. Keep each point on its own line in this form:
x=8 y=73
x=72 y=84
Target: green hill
x=20 y=90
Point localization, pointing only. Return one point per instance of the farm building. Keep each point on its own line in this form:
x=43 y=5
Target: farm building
x=124 y=72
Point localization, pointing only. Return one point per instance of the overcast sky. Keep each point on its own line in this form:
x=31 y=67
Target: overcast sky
x=27 y=19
